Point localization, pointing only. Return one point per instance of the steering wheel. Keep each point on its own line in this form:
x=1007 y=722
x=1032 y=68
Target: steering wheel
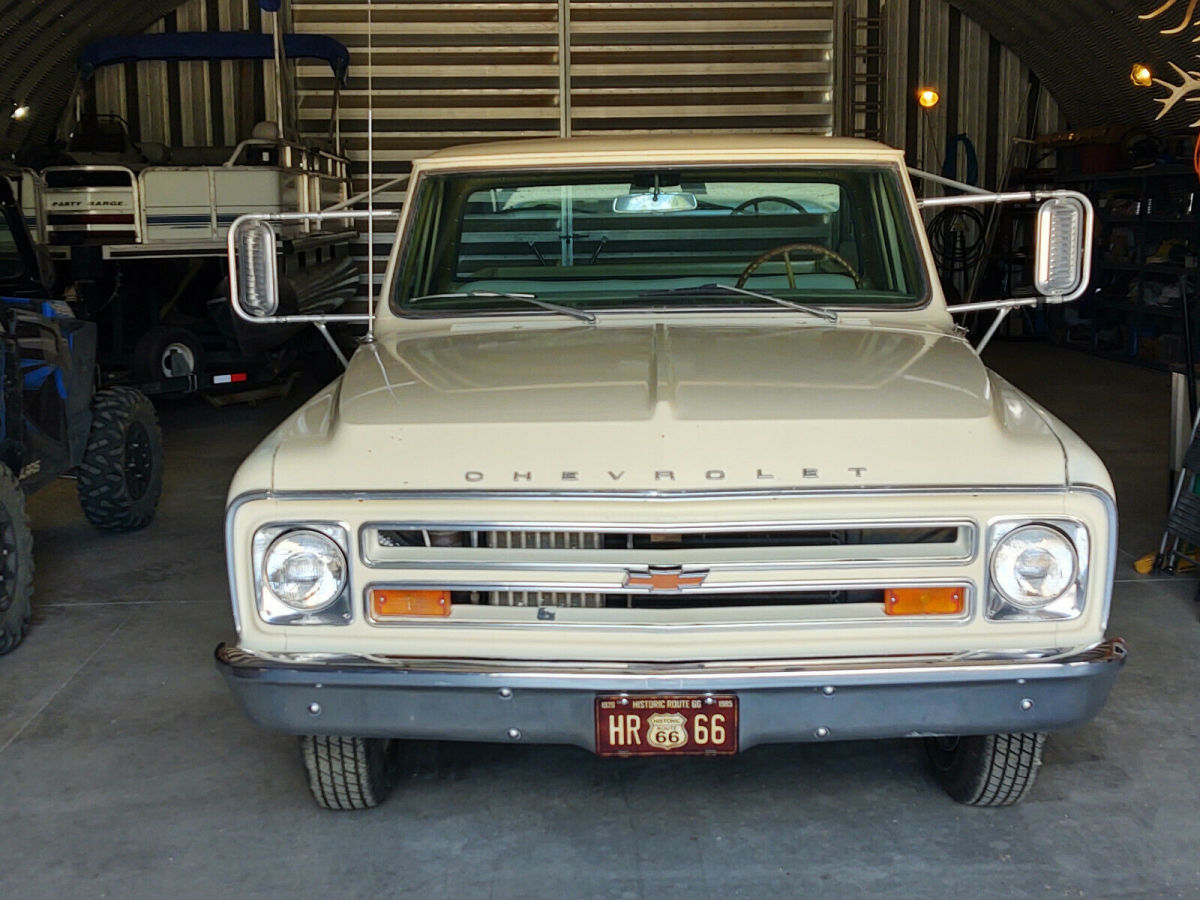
x=786 y=250
x=755 y=201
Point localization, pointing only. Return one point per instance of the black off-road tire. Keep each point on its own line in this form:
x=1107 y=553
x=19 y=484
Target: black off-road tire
x=349 y=772
x=120 y=478
x=16 y=563
x=987 y=770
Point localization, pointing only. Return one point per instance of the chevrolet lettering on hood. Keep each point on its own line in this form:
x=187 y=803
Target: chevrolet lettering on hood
x=475 y=476
x=670 y=446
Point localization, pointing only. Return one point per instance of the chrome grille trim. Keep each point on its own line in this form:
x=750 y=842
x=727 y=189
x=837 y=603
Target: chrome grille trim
x=536 y=543
x=524 y=566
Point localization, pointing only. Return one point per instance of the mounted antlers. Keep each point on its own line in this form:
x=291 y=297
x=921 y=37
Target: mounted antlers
x=1166 y=7
x=1190 y=82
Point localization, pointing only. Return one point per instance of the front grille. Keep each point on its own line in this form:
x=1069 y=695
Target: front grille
x=663 y=568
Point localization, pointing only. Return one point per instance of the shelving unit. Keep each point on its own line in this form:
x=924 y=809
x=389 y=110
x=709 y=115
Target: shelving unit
x=1145 y=266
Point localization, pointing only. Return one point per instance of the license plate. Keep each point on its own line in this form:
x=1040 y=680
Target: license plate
x=667 y=725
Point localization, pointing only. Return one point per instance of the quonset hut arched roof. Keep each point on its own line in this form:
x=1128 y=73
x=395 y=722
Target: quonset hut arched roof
x=40 y=41
x=1080 y=49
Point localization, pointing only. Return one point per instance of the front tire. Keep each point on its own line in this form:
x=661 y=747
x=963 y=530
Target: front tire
x=349 y=772
x=16 y=563
x=987 y=770
x=120 y=478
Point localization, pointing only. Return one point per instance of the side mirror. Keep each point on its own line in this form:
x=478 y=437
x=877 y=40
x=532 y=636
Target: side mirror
x=1063 y=251
x=255 y=243
x=257 y=270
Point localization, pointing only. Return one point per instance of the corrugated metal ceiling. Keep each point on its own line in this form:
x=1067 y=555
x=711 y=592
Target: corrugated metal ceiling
x=40 y=40
x=1081 y=49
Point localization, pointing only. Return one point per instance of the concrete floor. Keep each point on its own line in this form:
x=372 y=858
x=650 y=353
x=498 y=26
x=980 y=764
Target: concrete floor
x=127 y=771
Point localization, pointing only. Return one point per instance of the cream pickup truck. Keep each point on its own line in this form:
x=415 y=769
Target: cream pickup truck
x=671 y=446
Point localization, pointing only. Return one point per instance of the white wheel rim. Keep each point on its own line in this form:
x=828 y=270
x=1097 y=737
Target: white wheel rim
x=178 y=359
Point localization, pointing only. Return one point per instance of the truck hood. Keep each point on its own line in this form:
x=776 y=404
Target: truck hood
x=666 y=407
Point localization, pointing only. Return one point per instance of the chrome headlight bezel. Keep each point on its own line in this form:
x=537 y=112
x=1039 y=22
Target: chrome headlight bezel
x=1069 y=603
x=272 y=609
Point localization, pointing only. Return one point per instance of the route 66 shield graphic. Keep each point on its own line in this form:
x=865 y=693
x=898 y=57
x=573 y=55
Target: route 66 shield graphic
x=666 y=731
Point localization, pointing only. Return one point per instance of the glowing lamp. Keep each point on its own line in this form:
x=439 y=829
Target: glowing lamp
x=1141 y=75
x=928 y=98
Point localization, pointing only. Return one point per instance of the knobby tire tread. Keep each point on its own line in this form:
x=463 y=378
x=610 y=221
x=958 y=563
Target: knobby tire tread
x=16 y=604
x=103 y=491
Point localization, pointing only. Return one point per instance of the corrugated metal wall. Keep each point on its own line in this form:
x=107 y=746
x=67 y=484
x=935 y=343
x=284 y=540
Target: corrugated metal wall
x=465 y=70
x=1081 y=49
x=458 y=71
x=470 y=70
x=990 y=125
x=193 y=104
x=730 y=65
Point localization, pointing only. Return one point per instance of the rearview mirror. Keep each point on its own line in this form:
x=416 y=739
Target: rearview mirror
x=655 y=202
x=1063 y=249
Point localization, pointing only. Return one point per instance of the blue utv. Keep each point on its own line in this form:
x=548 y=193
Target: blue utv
x=54 y=423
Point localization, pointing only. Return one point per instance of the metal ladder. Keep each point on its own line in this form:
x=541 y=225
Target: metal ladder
x=864 y=40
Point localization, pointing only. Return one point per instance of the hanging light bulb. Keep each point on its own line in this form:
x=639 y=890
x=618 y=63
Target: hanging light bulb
x=928 y=98
x=20 y=111
x=1141 y=75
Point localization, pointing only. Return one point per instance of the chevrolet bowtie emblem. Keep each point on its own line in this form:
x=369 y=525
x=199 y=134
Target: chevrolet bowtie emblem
x=665 y=579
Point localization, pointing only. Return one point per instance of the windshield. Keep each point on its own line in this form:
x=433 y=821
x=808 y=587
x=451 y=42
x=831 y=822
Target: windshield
x=652 y=239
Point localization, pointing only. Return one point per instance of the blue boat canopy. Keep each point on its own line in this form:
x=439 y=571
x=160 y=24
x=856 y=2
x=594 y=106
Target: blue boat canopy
x=212 y=45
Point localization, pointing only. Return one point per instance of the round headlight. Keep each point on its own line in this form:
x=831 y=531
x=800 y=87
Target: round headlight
x=306 y=570
x=1034 y=565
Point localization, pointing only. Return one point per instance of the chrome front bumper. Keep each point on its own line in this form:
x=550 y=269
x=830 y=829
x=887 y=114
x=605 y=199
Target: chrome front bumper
x=486 y=700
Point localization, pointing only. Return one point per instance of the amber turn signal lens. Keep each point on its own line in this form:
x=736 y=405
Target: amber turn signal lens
x=924 y=601
x=388 y=603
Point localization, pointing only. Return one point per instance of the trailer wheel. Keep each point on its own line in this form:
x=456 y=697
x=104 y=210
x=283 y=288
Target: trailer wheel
x=120 y=478
x=166 y=352
x=16 y=563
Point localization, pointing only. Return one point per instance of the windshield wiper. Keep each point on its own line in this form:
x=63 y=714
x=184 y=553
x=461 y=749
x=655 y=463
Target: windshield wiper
x=531 y=299
x=715 y=288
